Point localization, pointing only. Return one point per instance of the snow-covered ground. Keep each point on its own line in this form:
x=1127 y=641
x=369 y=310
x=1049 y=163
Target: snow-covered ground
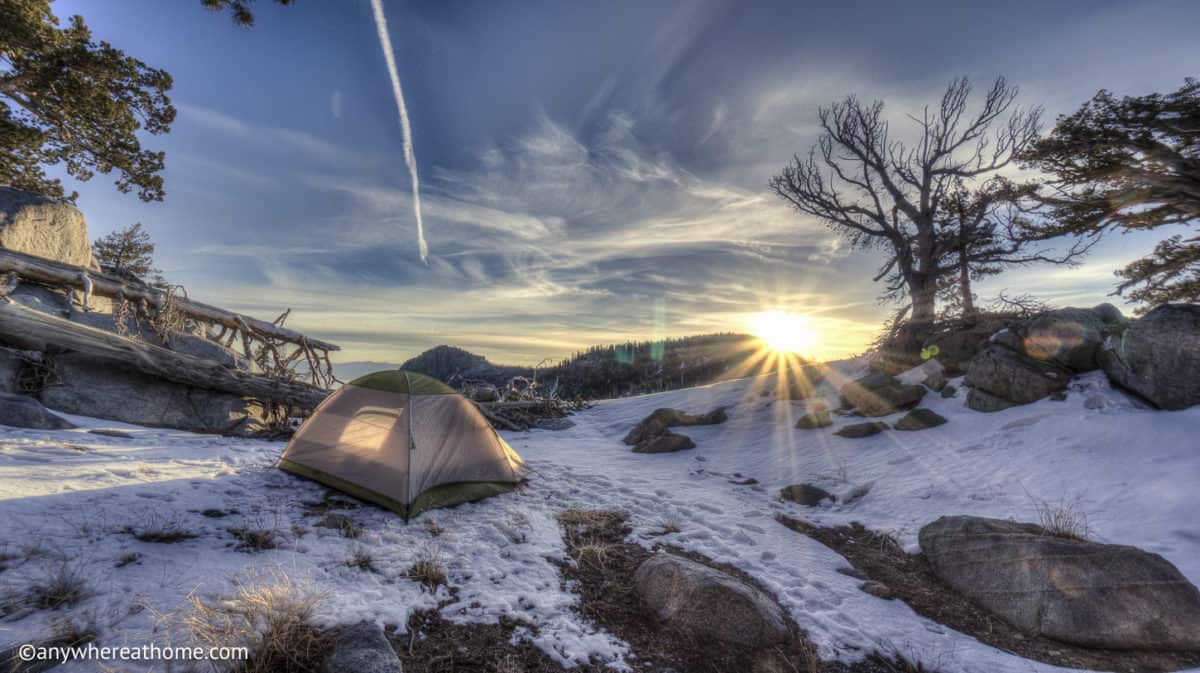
x=68 y=495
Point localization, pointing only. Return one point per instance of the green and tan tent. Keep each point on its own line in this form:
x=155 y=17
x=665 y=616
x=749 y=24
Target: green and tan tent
x=404 y=441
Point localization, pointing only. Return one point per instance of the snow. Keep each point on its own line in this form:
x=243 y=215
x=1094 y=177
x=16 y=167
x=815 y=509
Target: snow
x=69 y=495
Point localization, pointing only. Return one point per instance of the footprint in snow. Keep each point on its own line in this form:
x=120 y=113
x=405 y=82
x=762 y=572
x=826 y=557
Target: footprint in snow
x=752 y=529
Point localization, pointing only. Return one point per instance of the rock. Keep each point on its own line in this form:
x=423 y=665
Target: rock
x=91 y=387
x=879 y=394
x=657 y=423
x=1080 y=592
x=958 y=343
x=1110 y=315
x=1067 y=337
x=878 y=590
x=1058 y=395
x=919 y=419
x=806 y=494
x=707 y=604
x=814 y=419
x=987 y=402
x=362 y=648
x=647 y=429
x=1015 y=379
x=44 y=227
x=1158 y=356
x=668 y=442
x=857 y=430
x=949 y=391
x=931 y=374
x=22 y=411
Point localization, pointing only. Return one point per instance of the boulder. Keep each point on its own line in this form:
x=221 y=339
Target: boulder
x=958 y=343
x=919 y=419
x=1000 y=372
x=668 y=442
x=91 y=387
x=949 y=391
x=1076 y=591
x=1069 y=337
x=815 y=419
x=45 y=227
x=806 y=494
x=931 y=374
x=857 y=430
x=362 y=648
x=707 y=604
x=879 y=394
x=1158 y=356
x=661 y=419
x=22 y=411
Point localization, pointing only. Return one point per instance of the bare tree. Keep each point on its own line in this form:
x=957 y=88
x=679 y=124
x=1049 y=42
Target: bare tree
x=880 y=192
x=982 y=231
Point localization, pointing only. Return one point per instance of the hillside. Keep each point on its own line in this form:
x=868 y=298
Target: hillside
x=613 y=370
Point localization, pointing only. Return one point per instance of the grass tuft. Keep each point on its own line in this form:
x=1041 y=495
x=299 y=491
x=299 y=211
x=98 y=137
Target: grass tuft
x=252 y=540
x=269 y=614
x=427 y=569
x=362 y=560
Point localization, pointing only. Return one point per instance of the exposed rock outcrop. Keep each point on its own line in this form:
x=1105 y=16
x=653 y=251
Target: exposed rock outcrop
x=815 y=419
x=685 y=595
x=1158 y=356
x=46 y=227
x=91 y=388
x=1080 y=592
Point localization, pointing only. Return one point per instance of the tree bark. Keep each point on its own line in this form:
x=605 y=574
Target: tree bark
x=26 y=328
x=964 y=285
x=57 y=273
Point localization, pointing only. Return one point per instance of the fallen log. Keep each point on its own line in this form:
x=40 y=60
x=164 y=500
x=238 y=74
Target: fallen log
x=53 y=272
x=28 y=329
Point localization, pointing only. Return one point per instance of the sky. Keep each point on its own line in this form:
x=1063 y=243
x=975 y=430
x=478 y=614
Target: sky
x=590 y=172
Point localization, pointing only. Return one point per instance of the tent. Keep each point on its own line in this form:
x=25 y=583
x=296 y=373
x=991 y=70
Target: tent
x=404 y=441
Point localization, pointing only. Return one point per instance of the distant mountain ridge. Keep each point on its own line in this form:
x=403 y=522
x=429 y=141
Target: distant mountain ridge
x=611 y=370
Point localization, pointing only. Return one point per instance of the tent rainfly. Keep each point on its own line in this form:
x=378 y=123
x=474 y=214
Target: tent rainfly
x=404 y=441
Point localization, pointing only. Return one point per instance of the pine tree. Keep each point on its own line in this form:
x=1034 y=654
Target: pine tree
x=240 y=9
x=68 y=100
x=128 y=251
x=1128 y=164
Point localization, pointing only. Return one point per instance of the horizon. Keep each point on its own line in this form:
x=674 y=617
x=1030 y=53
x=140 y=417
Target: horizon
x=588 y=175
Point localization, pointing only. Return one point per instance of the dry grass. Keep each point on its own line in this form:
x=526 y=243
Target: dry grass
x=342 y=524
x=362 y=560
x=159 y=531
x=254 y=539
x=63 y=586
x=1065 y=519
x=269 y=614
x=669 y=526
x=595 y=552
x=432 y=527
x=427 y=569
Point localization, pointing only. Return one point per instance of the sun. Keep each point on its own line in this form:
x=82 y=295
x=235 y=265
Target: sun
x=785 y=331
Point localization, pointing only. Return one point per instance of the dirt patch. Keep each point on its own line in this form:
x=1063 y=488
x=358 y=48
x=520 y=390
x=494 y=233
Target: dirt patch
x=434 y=645
x=910 y=578
x=604 y=582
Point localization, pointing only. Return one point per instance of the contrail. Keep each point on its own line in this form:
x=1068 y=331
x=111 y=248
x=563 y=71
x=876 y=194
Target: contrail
x=409 y=157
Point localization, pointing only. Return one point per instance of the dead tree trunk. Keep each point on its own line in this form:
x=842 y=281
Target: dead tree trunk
x=28 y=329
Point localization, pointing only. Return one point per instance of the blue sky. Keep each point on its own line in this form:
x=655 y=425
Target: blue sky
x=591 y=171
